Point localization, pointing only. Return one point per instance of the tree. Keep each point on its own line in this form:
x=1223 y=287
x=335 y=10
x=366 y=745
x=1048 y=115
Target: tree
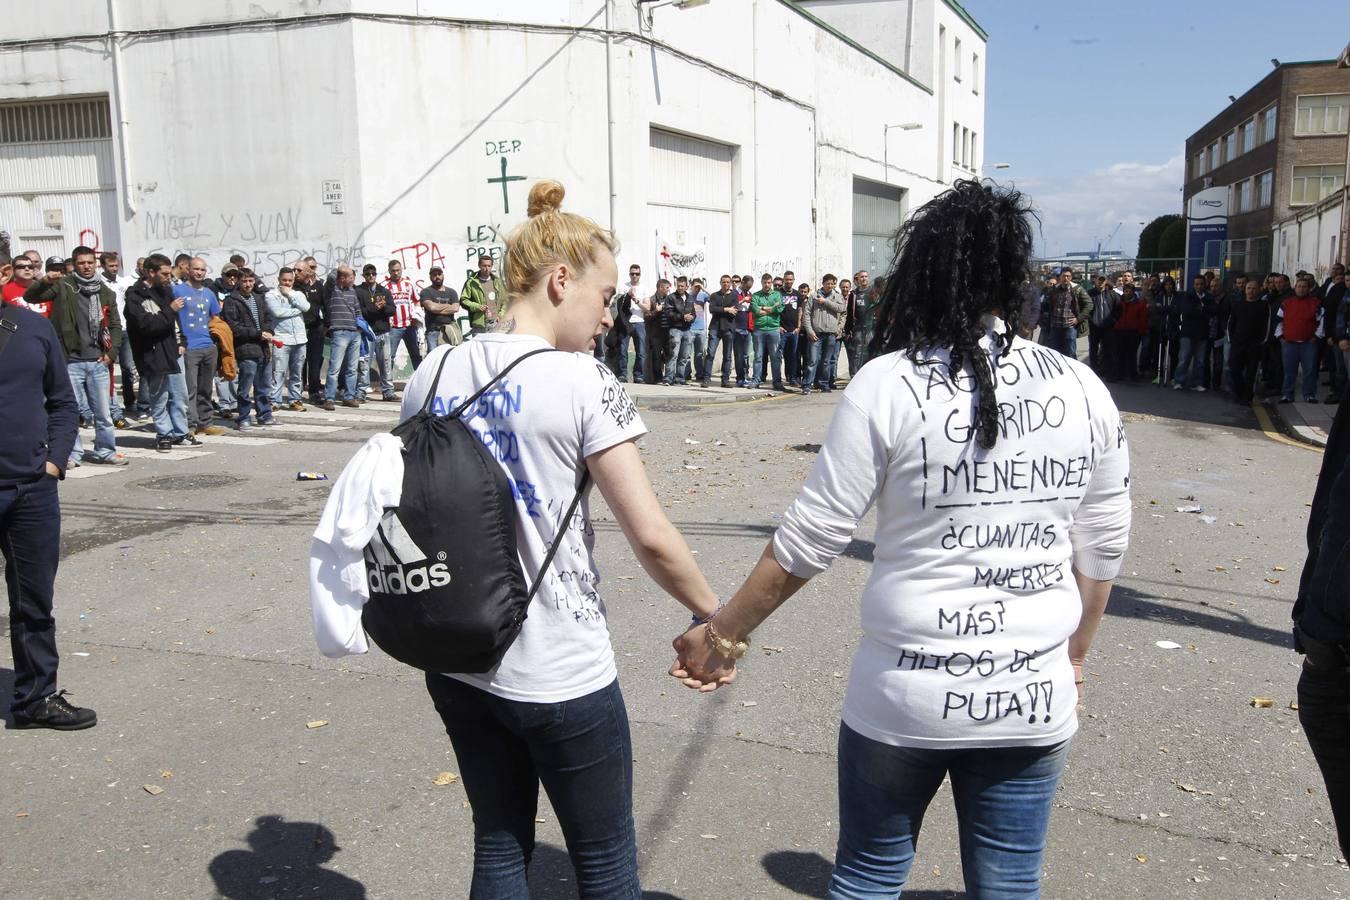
x=1148 y=238
x=1172 y=241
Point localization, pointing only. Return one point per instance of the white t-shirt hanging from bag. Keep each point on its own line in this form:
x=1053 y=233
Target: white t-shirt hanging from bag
x=540 y=423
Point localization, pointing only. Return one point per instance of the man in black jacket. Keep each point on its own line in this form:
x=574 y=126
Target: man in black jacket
x=1248 y=323
x=157 y=346
x=377 y=308
x=251 y=324
x=307 y=280
x=1322 y=625
x=722 y=308
x=38 y=422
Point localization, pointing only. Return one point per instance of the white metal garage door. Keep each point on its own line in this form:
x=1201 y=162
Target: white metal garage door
x=57 y=182
x=877 y=209
x=689 y=210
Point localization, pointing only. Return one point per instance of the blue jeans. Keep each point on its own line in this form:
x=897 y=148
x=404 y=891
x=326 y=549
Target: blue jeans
x=91 y=381
x=768 y=347
x=1063 y=338
x=30 y=539
x=582 y=753
x=1003 y=797
x=740 y=341
x=407 y=336
x=255 y=390
x=344 y=349
x=382 y=360
x=818 y=361
x=288 y=372
x=168 y=404
x=681 y=346
x=715 y=338
x=832 y=373
x=1295 y=354
x=792 y=369
x=637 y=333
x=700 y=339
x=1190 y=362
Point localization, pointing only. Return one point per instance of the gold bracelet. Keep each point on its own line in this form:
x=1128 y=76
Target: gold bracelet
x=733 y=649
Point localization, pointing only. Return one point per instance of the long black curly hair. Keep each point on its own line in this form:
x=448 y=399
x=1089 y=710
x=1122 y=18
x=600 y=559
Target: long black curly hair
x=961 y=255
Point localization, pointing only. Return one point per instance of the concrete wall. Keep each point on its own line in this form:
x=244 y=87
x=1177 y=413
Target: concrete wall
x=234 y=131
x=1312 y=241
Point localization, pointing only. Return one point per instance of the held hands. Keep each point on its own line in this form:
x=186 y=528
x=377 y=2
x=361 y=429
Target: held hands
x=698 y=663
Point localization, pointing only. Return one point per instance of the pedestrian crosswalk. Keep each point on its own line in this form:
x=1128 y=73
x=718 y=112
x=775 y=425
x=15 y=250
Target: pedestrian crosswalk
x=138 y=444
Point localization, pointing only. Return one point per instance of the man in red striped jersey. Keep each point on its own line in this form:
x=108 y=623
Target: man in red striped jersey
x=406 y=323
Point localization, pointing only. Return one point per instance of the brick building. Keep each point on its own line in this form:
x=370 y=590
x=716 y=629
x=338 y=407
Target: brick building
x=1278 y=148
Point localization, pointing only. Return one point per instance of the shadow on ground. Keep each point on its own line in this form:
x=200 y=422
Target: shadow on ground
x=1129 y=603
x=283 y=859
x=808 y=874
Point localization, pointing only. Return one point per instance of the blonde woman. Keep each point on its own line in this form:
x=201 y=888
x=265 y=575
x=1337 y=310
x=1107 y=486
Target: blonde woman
x=551 y=713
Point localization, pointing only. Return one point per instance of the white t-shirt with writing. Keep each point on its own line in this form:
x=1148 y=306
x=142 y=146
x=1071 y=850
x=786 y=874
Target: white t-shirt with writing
x=541 y=422
x=971 y=600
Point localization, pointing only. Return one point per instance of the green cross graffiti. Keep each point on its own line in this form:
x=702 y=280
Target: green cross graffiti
x=506 y=199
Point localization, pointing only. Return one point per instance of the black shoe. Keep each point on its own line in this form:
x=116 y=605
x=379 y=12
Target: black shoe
x=119 y=423
x=778 y=387
x=1310 y=400
x=55 y=711
x=192 y=439
x=163 y=445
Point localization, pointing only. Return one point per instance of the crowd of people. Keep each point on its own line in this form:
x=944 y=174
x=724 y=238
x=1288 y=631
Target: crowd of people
x=1249 y=336
x=193 y=349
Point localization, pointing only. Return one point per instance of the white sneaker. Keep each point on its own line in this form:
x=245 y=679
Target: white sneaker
x=1176 y=387
x=1199 y=388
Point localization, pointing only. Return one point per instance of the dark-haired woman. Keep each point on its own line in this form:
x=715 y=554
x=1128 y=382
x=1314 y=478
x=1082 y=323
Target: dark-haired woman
x=1000 y=474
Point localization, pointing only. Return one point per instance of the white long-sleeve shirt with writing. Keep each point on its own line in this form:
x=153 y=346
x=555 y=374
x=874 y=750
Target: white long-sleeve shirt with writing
x=971 y=600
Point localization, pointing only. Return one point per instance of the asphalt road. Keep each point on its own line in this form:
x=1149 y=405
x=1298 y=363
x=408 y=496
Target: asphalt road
x=184 y=621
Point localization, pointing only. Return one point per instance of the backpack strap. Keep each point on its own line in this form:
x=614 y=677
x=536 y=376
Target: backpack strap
x=500 y=375
x=8 y=327
x=562 y=530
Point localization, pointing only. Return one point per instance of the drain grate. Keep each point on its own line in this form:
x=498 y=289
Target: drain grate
x=188 y=482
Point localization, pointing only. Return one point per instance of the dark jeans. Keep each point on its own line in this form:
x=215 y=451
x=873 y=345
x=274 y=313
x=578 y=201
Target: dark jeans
x=1124 y=346
x=1003 y=797
x=818 y=374
x=129 y=379
x=715 y=338
x=1063 y=338
x=768 y=357
x=637 y=333
x=1243 y=361
x=792 y=358
x=200 y=368
x=1324 y=713
x=1099 y=342
x=255 y=390
x=582 y=753
x=30 y=538
x=740 y=342
x=314 y=362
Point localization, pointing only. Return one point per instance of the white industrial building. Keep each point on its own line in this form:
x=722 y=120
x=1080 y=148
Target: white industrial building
x=715 y=136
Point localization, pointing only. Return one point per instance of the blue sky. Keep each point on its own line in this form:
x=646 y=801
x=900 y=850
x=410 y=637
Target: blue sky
x=1091 y=102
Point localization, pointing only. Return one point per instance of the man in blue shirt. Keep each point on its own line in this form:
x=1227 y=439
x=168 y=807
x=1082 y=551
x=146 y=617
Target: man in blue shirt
x=200 y=304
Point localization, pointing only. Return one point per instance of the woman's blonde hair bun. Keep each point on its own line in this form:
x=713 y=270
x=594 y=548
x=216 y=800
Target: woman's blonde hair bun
x=546 y=196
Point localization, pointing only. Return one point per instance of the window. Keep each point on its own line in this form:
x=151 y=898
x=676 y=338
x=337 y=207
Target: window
x=1244 y=195
x=1265 y=183
x=965 y=147
x=1249 y=136
x=974 y=138
x=30 y=122
x=1199 y=163
x=975 y=73
x=956 y=55
x=956 y=144
x=1230 y=151
x=1322 y=114
x=1214 y=162
x=1312 y=183
x=1267 y=127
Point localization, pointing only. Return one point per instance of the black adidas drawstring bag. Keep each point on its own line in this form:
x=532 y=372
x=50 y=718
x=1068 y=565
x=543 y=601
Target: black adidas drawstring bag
x=431 y=606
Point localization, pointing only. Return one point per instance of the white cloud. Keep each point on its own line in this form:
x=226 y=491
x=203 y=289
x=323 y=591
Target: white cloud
x=1079 y=210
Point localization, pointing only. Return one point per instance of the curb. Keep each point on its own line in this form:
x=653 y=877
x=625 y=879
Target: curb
x=713 y=399
x=1278 y=428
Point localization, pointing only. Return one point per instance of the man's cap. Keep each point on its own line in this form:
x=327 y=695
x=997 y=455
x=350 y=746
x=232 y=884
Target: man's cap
x=229 y=270
x=55 y=263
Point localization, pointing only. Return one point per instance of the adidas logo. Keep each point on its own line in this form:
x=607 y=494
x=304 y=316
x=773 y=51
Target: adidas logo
x=393 y=558
x=404 y=580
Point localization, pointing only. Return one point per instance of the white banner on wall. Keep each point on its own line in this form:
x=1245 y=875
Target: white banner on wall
x=681 y=257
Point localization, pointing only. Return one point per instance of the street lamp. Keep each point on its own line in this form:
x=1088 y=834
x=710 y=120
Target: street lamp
x=886 y=146
x=1002 y=165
